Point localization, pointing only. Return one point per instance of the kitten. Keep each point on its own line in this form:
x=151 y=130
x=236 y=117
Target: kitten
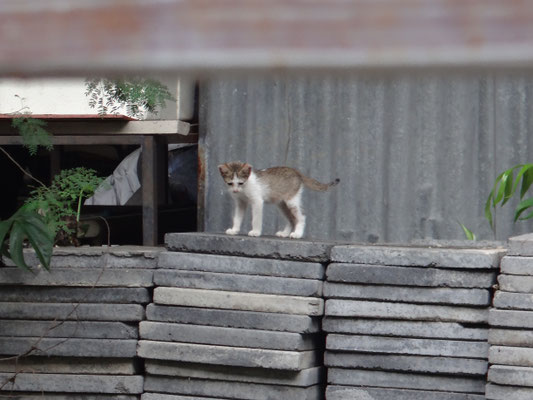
x=282 y=186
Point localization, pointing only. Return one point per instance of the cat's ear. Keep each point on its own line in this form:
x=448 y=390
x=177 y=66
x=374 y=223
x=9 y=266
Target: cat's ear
x=223 y=168
x=246 y=169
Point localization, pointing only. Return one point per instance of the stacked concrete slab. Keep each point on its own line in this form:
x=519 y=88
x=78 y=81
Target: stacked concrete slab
x=235 y=318
x=511 y=325
x=408 y=323
x=72 y=332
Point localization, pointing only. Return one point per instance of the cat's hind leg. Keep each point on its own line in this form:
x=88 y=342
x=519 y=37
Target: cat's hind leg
x=295 y=207
x=290 y=220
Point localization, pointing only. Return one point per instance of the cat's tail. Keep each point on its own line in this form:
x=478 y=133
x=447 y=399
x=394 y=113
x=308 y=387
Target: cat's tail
x=313 y=184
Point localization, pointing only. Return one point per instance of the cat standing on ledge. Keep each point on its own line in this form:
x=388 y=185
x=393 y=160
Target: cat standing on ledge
x=282 y=186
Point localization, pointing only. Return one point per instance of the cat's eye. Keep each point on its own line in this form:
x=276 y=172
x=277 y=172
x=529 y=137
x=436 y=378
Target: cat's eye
x=230 y=184
x=241 y=183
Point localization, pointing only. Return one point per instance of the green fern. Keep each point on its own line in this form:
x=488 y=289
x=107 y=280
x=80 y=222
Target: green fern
x=33 y=133
x=138 y=95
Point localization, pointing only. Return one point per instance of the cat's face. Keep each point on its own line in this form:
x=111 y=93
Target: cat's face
x=235 y=175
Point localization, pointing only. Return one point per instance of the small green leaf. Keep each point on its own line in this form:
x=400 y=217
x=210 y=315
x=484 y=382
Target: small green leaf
x=468 y=233
x=527 y=180
x=523 y=206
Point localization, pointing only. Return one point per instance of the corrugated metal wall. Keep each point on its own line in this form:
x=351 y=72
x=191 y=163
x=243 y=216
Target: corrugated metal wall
x=416 y=153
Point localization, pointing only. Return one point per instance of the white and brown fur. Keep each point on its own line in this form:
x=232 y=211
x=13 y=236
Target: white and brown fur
x=282 y=186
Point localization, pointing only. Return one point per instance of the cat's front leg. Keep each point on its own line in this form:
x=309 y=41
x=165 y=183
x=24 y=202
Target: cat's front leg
x=238 y=215
x=257 y=219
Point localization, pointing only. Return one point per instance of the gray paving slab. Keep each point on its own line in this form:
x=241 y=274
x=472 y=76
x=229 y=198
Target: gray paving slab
x=78 y=277
x=506 y=355
x=421 y=329
x=70 y=396
x=234 y=319
x=446 y=257
x=241 y=265
x=226 y=355
x=516 y=265
x=304 y=378
x=513 y=301
x=120 y=295
x=262 y=247
x=60 y=311
x=520 y=245
x=478 y=297
x=511 y=375
x=511 y=337
x=68 y=329
x=511 y=318
x=112 y=348
x=336 y=392
x=515 y=283
x=75 y=383
x=160 y=396
x=401 y=311
x=504 y=392
x=92 y=256
x=421 y=364
x=394 y=345
x=405 y=276
x=398 y=380
x=238 y=337
x=238 y=283
x=239 y=301
x=230 y=390
x=71 y=365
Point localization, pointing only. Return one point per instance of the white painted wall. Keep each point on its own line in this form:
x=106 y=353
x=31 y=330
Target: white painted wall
x=67 y=96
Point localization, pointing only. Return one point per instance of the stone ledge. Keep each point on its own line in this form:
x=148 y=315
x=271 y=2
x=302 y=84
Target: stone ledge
x=234 y=318
x=423 y=256
x=397 y=328
x=238 y=283
x=408 y=276
x=304 y=378
x=74 y=383
x=230 y=356
x=404 y=311
x=337 y=392
x=207 y=389
x=219 y=299
x=407 y=363
x=398 y=345
x=200 y=334
x=398 y=380
x=511 y=375
x=427 y=295
x=518 y=356
x=261 y=247
x=497 y=392
x=240 y=265
x=92 y=256
x=521 y=245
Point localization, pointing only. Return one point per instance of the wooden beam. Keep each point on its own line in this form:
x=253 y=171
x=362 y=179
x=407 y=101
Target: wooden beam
x=111 y=127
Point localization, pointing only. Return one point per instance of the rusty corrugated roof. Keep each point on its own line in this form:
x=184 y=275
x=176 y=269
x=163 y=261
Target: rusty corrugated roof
x=205 y=35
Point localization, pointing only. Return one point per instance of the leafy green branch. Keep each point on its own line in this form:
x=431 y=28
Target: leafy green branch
x=505 y=187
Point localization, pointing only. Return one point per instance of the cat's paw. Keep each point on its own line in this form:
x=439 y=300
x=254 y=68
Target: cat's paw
x=232 y=231
x=296 y=235
x=282 y=234
x=254 y=233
